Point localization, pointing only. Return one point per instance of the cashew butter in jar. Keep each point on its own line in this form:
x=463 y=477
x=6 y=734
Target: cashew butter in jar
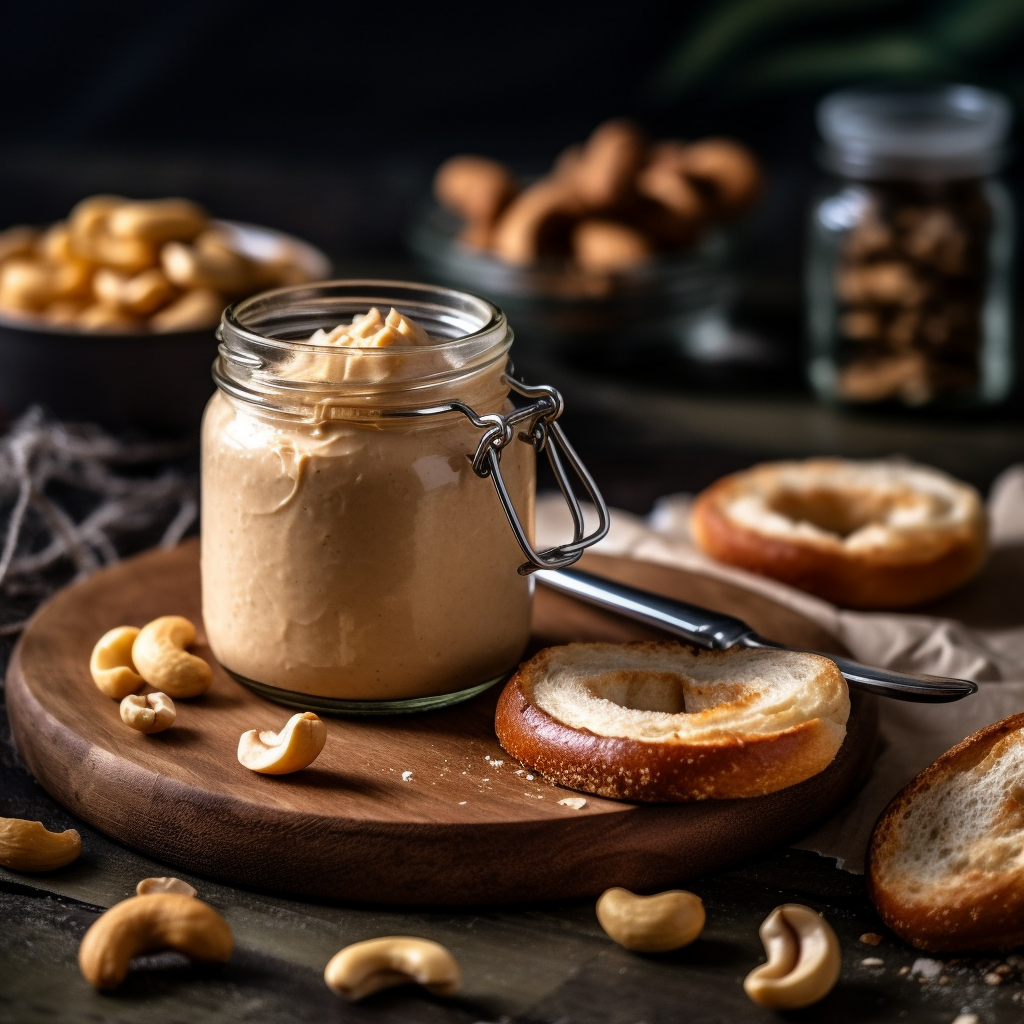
x=368 y=486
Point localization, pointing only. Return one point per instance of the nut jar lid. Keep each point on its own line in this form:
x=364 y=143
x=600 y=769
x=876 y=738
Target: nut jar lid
x=926 y=133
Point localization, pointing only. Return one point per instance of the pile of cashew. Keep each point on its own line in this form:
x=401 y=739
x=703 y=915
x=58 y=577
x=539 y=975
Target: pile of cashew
x=126 y=658
x=147 y=924
x=366 y=967
x=30 y=846
x=118 y=265
x=609 y=204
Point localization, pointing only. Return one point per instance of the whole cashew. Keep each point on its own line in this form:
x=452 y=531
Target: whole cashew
x=207 y=266
x=149 y=713
x=145 y=924
x=530 y=224
x=111 y=663
x=803 y=959
x=158 y=886
x=102 y=317
x=474 y=187
x=160 y=656
x=158 y=220
x=141 y=294
x=29 y=846
x=728 y=170
x=26 y=284
x=607 y=246
x=651 y=924
x=295 y=747
x=17 y=241
x=610 y=159
x=366 y=967
x=194 y=311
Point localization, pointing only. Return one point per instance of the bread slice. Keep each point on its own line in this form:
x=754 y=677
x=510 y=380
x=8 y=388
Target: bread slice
x=946 y=860
x=665 y=722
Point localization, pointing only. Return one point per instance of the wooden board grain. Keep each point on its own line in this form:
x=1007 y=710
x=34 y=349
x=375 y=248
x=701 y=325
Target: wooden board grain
x=420 y=809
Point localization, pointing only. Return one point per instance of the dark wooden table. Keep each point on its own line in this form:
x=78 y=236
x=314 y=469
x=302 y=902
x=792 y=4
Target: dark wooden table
x=545 y=963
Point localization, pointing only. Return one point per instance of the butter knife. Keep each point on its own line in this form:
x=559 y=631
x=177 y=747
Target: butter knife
x=717 y=632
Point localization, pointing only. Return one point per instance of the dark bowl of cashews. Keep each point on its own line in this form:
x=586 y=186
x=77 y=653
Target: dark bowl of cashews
x=625 y=240
x=109 y=316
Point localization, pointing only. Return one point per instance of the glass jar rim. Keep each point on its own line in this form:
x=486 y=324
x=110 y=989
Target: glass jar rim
x=259 y=363
x=918 y=132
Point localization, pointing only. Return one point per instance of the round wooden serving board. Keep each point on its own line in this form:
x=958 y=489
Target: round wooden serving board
x=468 y=825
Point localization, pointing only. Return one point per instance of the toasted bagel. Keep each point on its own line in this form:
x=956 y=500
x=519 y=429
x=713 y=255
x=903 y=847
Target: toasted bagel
x=946 y=858
x=859 y=534
x=663 y=722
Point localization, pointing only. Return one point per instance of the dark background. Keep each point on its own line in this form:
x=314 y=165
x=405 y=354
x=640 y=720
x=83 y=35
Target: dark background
x=327 y=120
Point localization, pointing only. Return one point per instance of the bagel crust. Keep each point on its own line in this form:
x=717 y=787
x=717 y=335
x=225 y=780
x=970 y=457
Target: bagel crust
x=661 y=722
x=859 y=534
x=946 y=859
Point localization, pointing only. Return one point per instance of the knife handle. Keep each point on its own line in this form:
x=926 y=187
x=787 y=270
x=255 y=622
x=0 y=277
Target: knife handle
x=710 y=630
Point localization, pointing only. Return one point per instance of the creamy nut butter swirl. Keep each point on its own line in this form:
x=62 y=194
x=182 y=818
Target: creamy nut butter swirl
x=351 y=553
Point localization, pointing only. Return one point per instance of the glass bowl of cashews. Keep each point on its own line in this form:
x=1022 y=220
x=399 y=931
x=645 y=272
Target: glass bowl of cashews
x=624 y=242
x=109 y=315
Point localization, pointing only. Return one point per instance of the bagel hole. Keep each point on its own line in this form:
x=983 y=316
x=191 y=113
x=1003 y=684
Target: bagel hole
x=641 y=691
x=839 y=512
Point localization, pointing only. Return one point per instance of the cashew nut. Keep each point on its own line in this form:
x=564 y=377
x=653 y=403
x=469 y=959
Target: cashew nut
x=803 y=959
x=606 y=245
x=295 y=747
x=145 y=924
x=608 y=163
x=366 y=967
x=194 y=311
x=29 y=846
x=17 y=241
x=474 y=187
x=158 y=886
x=111 y=663
x=531 y=224
x=149 y=713
x=141 y=294
x=651 y=924
x=207 y=266
x=160 y=656
x=158 y=220
x=102 y=317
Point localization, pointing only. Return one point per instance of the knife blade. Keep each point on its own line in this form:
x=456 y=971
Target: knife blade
x=715 y=631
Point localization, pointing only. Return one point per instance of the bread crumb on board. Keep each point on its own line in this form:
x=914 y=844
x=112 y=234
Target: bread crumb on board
x=966 y=1018
x=577 y=803
x=926 y=968
x=871 y=938
x=407 y=776
x=872 y=961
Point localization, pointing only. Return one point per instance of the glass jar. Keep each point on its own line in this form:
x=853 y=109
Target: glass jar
x=355 y=556
x=910 y=254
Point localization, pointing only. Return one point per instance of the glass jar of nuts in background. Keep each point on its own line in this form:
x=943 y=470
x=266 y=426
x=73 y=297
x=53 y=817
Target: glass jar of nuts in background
x=911 y=249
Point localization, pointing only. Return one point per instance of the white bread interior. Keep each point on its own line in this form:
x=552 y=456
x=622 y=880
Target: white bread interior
x=664 y=693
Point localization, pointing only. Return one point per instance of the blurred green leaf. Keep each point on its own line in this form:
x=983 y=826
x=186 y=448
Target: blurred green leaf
x=824 y=62
x=718 y=41
x=976 y=26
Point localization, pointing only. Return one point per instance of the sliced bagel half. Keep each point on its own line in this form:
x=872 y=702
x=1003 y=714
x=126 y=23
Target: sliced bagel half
x=664 y=722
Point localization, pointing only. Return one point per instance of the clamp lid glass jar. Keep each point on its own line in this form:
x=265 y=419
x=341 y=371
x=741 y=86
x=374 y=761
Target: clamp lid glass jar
x=909 y=267
x=355 y=555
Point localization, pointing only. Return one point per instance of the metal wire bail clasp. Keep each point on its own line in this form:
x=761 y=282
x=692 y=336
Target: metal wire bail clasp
x=536 y=424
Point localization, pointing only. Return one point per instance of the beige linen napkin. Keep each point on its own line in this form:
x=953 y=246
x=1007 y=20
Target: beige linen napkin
x=976 y=633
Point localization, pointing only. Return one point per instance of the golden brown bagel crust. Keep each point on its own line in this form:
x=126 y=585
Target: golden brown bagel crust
x=967 y=910
x=743 y=764
x=915 y=567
